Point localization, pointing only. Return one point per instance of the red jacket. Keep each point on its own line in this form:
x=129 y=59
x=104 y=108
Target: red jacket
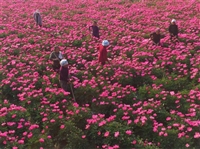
x=102 y=53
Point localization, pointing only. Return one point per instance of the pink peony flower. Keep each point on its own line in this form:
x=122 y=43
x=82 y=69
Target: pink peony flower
x=83 y=137
x=187 y=145
x=172 y=93
x=52 y=120
x=106 y=134
x=189 y=129
x=128 y=132
x=116 y=147
x=197 y=135
x=25 y=133
x=116 y=134
x=134 y=142
x=168 y=118
x=62 y=126
x=102 y=123
x=21 y=141
x=41 y=140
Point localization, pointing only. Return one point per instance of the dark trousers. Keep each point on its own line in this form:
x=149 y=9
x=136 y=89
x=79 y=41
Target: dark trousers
x=39 y=25
x=64 y=85
x=173 y=37
x=56 y=68
x=37 y=21
x=97 y=36
x=157 y=43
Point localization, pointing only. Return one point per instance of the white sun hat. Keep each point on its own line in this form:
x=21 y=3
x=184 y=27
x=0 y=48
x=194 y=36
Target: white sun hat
x=173 y=21
x=105 y=43
x=63 y=62
x=37 y=11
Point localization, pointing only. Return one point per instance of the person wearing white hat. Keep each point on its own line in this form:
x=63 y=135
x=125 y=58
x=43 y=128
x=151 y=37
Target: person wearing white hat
x=173 y=29
x=64 y=74
x=102 y=57
x=37 y=18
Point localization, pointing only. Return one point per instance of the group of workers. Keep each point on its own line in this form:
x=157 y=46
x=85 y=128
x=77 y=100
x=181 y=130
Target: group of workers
x=60 y=64
x=173 y=31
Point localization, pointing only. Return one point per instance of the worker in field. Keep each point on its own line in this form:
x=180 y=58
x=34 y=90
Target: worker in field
x=95 y=30
x=56 y=56
x=173 y=30
x=64 y=75
x=102 y=57
x=156 y=36
x=37 y=18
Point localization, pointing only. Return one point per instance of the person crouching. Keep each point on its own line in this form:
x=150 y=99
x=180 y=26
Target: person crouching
x=64 y=74
x=155 y=37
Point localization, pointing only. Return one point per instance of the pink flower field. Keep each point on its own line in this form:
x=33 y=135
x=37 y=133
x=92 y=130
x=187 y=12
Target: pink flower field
x=147 y=97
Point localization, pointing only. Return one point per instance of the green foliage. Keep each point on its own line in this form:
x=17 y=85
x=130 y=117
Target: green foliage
x=13 y=32
x=129 y=54
x=41 y=69
x=159 y=73
x=3 y=35
x=172 y=141
x=182 y=40
x=146 y=36
x=115 y=41
x=143 y=92
x=10 y=95
x=31 y=41
x=88 y=57
x=85 y=94
x=20 y=35
x=77 y=43
x=2 y=27
x=197 y=48
x=24 y=15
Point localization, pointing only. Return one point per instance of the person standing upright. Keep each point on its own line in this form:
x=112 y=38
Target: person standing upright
x=102 y=57
x=95 y=30
x=173 y=29
x=37 y=18
x=56 y=56
x=64 y=75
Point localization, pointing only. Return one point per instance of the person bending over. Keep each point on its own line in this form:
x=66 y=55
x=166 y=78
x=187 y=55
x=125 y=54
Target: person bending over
x=155 y=37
